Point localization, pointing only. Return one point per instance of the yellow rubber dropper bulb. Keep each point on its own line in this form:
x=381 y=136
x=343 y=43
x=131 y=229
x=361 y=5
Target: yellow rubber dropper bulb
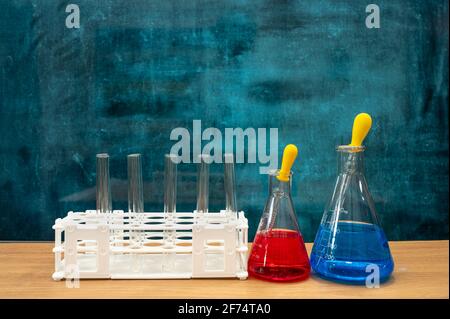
x=289 y=155
x=361 y=126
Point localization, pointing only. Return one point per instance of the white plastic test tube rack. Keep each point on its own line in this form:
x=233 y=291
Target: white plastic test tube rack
x=114 y=244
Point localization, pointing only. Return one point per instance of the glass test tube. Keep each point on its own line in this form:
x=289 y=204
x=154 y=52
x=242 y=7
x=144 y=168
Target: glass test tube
x=203 y=184
x=103 y=188
x=135 y=196
x=229 y=183
x=170 y=196
x=170 y=184
x=135 y=184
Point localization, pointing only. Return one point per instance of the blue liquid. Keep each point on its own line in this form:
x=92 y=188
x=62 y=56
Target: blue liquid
x=355 y=247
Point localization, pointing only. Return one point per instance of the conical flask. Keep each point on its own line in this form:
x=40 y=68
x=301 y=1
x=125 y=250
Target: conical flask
x=350 y=244
x=278 y=251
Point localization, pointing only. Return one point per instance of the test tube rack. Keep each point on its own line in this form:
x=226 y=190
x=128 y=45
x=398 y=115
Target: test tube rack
x=115 y=244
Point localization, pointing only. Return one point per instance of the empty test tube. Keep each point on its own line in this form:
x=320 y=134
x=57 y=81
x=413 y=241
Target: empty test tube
x=229 y=183
x=203 y=184
x=103 y=188
x=170 y=184
x=135 y=184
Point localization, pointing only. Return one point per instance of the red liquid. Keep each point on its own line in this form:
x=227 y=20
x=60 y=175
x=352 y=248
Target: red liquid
x=279 y=255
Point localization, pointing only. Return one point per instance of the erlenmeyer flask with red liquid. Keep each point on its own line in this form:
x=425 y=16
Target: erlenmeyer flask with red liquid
x=278 y=251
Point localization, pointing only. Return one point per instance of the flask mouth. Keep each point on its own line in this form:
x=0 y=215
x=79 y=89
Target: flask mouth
x=350 y=148
x=276 y=172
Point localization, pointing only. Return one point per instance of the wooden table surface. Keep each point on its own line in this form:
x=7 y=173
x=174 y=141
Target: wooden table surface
x=421 y=271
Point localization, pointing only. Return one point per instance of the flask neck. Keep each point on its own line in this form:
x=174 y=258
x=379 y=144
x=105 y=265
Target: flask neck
x=275 y=185
x=350 y=161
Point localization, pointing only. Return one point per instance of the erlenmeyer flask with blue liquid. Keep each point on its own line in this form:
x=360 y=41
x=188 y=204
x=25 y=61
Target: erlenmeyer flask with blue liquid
x=350 y=244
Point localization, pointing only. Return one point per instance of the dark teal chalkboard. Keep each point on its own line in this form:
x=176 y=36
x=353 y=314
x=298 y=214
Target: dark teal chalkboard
x=135 y=70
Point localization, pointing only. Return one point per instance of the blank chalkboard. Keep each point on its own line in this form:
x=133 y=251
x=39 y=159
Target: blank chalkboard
x=135 y=70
